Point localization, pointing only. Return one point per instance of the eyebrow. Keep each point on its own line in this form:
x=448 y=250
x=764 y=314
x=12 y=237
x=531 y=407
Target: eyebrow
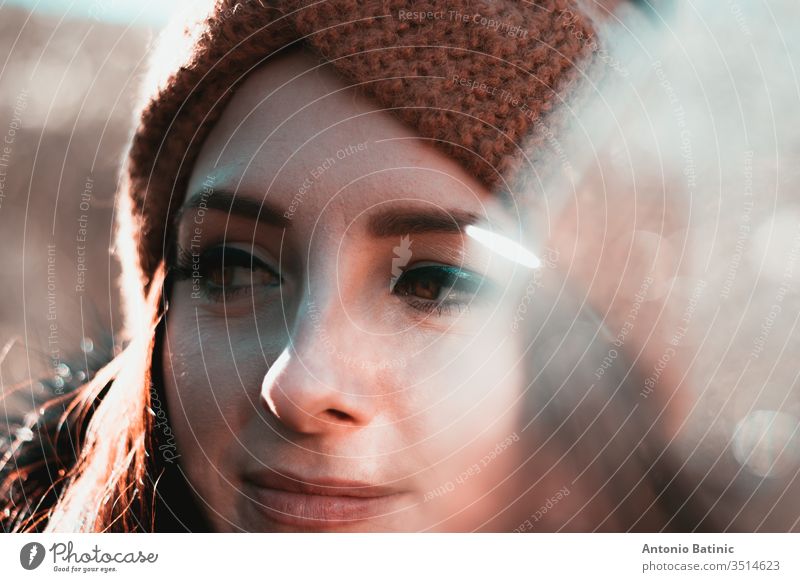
x=240 y=205
x=401 y=222
x=386 y=223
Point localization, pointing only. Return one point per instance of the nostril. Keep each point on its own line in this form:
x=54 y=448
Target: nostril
x=339 y=415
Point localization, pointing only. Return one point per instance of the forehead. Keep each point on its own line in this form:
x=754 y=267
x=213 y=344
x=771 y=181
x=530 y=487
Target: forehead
x=295 y=130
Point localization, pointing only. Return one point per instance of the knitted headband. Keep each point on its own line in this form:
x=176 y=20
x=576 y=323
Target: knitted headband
x=482 y=78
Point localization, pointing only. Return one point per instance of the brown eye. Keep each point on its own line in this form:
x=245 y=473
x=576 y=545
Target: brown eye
x=438 y=286
x=239 y=276
x=423 y=288
x=227 y=270
x=222 y=276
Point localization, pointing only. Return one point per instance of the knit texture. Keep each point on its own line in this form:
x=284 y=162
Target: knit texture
x=482 y=79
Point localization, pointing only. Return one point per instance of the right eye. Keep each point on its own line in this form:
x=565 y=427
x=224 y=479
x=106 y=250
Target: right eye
x=225 y=271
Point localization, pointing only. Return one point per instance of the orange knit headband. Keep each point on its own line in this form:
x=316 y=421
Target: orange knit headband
x=483 y=79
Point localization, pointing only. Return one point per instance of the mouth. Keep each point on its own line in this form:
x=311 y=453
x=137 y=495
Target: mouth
x=322 y=502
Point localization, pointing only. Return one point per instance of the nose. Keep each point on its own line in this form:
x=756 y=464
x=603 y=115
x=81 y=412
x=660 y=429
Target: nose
x=312 y=389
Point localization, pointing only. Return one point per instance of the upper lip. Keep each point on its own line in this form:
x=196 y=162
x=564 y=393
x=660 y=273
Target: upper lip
x=332 y=486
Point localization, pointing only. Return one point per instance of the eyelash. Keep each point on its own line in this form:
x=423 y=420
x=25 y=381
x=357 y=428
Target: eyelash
x=200 y=266
x=449 y=280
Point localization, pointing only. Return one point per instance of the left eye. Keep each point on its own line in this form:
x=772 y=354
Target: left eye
x=440 y=288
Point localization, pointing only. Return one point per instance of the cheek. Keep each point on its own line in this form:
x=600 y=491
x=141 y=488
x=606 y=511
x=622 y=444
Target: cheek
x=212 y=376
x=468 y=431
x=463 y=391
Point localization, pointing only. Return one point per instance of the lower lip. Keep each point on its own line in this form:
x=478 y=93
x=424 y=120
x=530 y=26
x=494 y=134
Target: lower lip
x=319 y=511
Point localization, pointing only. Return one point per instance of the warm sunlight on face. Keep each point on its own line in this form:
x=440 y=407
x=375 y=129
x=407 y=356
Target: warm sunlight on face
x=339 y=352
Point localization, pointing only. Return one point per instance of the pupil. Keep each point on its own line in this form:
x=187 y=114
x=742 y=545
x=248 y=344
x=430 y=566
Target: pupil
x=222 y=277
x=427 y=289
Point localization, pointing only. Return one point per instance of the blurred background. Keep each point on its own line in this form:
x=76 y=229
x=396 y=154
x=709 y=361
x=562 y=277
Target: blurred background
x=681 y=224
x=68 y=83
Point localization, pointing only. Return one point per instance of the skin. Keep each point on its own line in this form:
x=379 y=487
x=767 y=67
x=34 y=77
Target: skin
x=318 y=372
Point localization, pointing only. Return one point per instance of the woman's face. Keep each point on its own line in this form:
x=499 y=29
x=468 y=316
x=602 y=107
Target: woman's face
x=339 y=351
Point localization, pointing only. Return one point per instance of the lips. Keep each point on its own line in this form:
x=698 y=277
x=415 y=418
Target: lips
x=320 y=503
